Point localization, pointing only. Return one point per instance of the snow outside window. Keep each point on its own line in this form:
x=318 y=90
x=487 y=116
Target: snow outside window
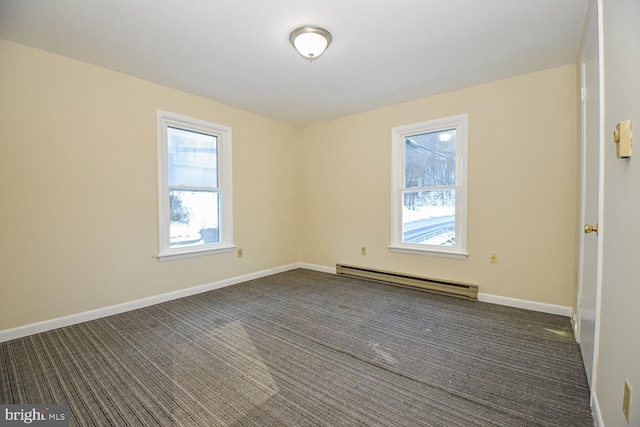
x=429 y=194
x=194 y=191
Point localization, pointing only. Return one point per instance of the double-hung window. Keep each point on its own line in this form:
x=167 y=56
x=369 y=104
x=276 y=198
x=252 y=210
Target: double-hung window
x=194 y=187
x=429 y=187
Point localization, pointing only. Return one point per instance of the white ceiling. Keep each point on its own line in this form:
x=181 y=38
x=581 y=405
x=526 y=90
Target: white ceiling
x=237 y=51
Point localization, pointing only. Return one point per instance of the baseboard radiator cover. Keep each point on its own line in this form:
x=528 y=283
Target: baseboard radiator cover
x=448 y=287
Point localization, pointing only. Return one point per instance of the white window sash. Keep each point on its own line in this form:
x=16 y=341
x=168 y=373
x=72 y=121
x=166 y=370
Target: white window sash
x=225 y=225
x=398 y=186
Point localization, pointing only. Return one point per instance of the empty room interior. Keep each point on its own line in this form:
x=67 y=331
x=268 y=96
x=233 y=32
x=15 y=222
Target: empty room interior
x=320 y=213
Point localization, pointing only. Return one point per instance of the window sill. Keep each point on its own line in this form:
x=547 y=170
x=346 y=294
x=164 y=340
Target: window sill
x=172 y=256
x=428 y=252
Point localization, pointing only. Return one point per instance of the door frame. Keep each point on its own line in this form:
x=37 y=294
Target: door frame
x=595 y=6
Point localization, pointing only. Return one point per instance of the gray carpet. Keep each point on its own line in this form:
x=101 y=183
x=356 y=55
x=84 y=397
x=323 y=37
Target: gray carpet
x=304 y=348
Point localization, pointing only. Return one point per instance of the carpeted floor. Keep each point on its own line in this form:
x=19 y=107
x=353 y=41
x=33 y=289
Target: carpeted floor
x=304 y=348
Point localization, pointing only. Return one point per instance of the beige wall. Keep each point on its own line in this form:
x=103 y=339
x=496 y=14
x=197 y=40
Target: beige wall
x=619 y=337
x=522 y=187
x=78 y=223
x=79 y=188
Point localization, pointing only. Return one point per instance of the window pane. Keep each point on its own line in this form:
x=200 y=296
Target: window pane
x=193 y=158
x=429 y=217
x=194 y=218
x=430 y=159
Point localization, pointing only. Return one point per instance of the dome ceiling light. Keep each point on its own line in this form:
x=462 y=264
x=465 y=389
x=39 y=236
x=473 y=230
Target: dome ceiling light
x=310 y=41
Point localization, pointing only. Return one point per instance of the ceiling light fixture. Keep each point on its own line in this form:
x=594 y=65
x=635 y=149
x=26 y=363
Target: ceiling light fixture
x=310 y=41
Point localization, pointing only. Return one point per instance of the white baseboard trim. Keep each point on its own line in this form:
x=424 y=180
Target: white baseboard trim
x=595 y=409
x=48 y=325
x=493 y=299
x=60 y=322
x=316 y=267
x=527 y=305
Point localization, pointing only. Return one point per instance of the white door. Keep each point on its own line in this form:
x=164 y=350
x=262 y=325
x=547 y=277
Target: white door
x=591 y=194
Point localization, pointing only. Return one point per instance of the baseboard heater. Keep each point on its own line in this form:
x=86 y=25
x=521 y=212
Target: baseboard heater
x=458 y=289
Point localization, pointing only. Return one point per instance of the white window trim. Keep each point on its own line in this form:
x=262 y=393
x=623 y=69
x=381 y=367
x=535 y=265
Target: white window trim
x=223 y=133
x=398 y=134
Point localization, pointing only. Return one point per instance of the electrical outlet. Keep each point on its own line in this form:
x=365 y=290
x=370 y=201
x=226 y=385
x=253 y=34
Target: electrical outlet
x=493 y=258
x=363 y=250
x=239 y=252
x=626 y=400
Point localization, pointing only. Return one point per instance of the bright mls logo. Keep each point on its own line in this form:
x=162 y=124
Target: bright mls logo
x=37 y=415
